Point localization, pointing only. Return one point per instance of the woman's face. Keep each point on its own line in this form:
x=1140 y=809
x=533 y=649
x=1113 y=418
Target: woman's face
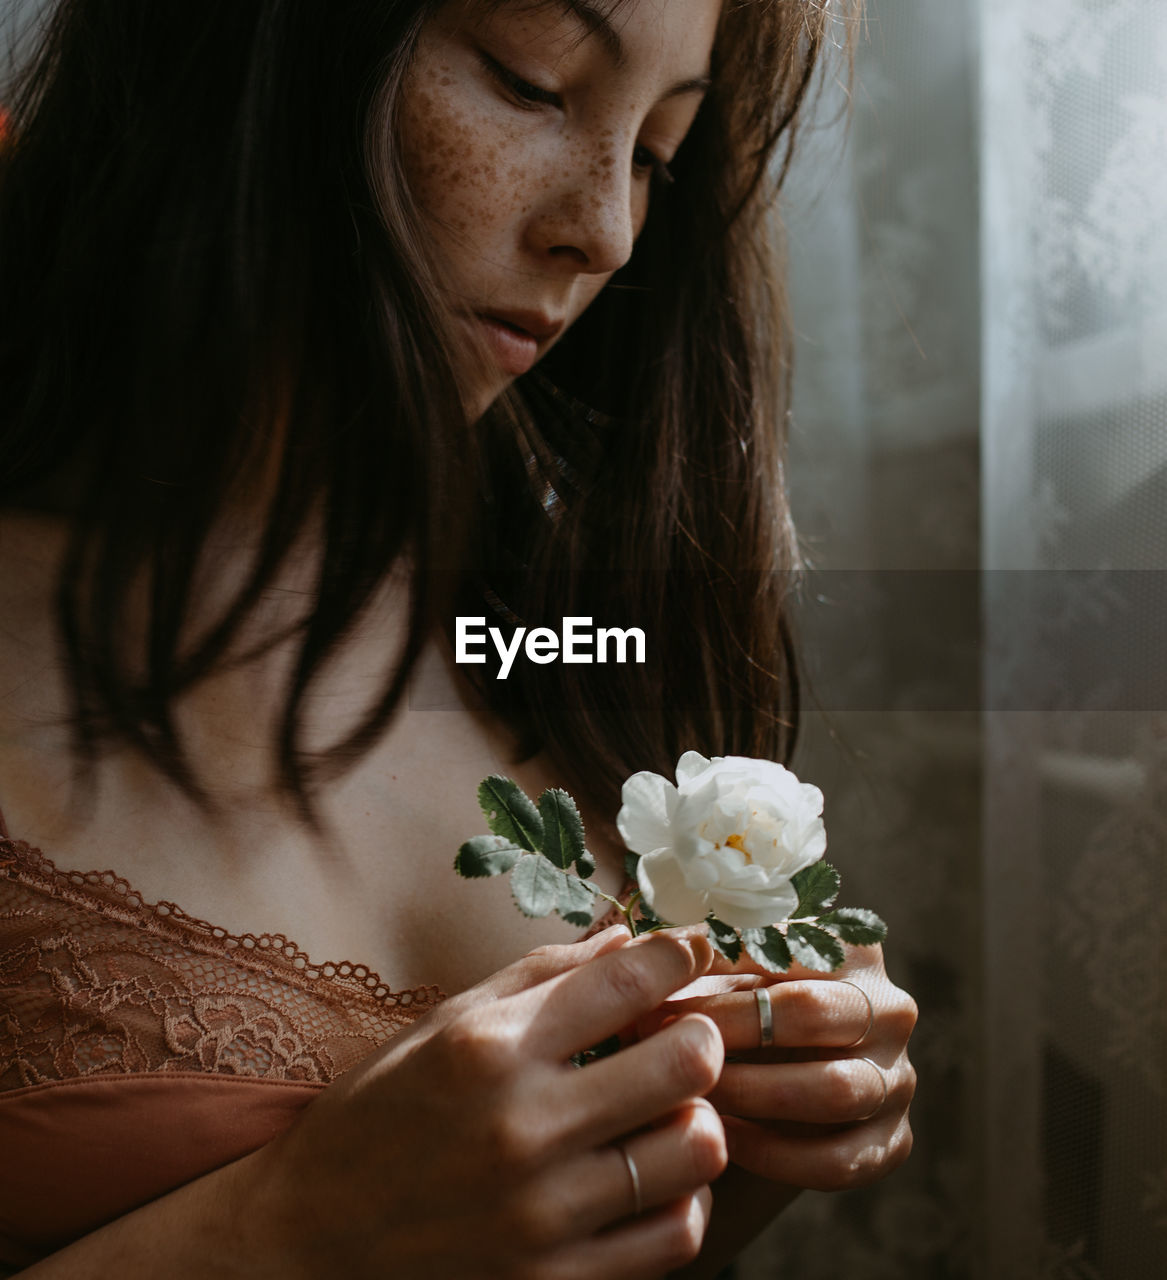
x=533 y=136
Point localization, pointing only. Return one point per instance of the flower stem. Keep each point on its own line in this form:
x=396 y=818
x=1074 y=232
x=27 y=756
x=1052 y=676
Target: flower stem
x=628 y=912
x=625 y=910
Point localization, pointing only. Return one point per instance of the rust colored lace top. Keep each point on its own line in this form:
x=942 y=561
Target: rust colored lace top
x=141 y=1047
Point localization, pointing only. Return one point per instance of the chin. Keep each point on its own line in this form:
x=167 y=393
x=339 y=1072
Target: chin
x=480 y=398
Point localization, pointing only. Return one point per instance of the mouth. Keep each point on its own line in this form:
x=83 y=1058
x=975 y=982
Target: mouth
x=517 y=338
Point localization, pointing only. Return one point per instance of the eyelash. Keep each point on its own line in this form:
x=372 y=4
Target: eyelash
x=530 y=96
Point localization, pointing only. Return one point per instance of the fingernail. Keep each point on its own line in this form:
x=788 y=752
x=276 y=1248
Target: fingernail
x=702 y=951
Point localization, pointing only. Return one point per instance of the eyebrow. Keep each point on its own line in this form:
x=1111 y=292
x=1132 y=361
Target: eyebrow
x=600 y=25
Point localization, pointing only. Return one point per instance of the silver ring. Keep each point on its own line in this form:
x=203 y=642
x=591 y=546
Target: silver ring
x=883 y=1081
x=634 y=1177
x=870 y=1016
x=765 y=1016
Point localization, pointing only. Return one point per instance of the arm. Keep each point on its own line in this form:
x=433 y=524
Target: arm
x=469 y=1136
x=213 y=1226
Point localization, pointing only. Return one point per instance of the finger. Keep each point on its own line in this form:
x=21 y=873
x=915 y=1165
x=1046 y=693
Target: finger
x=601 y=1187
x=644 y=1248
x=594 y=1001
x=811 y=1014
x=819 y=1161
x=639 y=1085
x=545 y=963
x=836 y=1091
x=674 y=1160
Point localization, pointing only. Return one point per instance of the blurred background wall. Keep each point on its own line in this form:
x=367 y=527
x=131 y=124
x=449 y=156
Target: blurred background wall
x=978 y=248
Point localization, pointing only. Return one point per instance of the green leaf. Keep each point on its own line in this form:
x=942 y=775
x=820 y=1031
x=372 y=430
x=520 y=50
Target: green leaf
x=563 y=833
x=585 y=864
x=817 y=887
x=856 y=925
x=814 y=948
x=768 y=948
x=535 y=885
x=510 y=813
x=486 y=856
x=631 y=861
x=576 y=903
x=648 y=917
x=725 y=938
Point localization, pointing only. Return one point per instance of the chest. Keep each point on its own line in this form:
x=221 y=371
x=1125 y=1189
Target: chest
x=378 y=889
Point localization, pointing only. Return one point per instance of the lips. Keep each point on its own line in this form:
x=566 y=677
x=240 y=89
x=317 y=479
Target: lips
x=515 y=337
x=540 y=326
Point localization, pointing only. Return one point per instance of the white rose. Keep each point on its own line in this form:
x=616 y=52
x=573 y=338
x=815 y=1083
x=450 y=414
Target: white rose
x=726 y=839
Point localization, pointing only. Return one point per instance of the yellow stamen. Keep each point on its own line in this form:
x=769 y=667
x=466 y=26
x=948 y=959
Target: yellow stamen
x=739 y=843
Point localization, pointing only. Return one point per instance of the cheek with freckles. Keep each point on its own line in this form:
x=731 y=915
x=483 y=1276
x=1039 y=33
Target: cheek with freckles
x=460 y=164
x=458 y=174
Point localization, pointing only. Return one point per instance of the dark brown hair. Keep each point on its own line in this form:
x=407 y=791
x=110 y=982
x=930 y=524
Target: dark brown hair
x=209 y=261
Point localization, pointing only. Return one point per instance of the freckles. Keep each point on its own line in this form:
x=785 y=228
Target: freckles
x=572 y=206
x=457 y=176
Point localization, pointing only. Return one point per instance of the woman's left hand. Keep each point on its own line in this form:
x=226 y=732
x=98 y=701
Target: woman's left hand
x=825 y=1106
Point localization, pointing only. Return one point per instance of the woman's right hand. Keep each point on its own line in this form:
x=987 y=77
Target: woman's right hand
x=469 y=1146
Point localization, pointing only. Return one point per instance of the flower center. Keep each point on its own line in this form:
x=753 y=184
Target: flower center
x=739 y=843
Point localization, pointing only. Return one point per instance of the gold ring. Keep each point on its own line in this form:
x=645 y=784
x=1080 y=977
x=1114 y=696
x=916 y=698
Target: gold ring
x=765 y=1016
x=883 y=1081
x=870 y=1014
x=634 y=1177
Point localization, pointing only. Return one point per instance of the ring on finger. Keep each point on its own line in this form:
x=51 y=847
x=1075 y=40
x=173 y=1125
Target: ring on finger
x=634 y=1178
x=883 y=1082
x=870 y=1015
x=765 y=1016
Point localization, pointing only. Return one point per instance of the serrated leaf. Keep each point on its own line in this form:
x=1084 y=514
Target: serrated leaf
x=767 y=947
x=814 y=948
x=725 y=938
x=576 y=903
x=855 y=925
x=563 y=833
x=486 y=856
x=585 y=864
x=648 y=917
x=535 y=885
x=509 y=812
x=817 y=887
x=631 y=861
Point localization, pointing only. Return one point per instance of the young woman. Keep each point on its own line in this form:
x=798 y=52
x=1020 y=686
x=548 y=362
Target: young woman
x=276 y=278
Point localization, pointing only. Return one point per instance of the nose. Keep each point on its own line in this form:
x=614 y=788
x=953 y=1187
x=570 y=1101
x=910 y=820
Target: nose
x=587 y=221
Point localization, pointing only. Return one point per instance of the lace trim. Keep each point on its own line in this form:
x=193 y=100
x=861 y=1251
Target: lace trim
x=112 y=896
x=95 y=980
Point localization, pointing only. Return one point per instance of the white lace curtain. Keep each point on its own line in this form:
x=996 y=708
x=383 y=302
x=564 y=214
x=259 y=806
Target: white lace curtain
x=980 y=289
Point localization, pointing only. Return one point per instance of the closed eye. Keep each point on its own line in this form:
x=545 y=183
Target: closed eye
x=530 y=96
x=526 y=93
x=644 y=160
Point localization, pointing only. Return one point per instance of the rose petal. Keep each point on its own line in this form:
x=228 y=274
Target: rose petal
x=643 y=820
x=666 y=891
x=747 y=910
x=689 y=766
